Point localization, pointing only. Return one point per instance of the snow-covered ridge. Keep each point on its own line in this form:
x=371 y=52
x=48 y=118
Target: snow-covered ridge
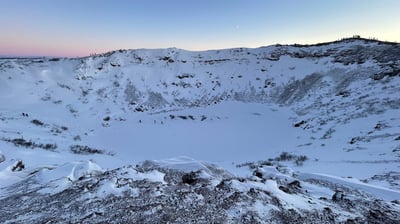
x=158 y=191
x=85 y=125
x=157 y=79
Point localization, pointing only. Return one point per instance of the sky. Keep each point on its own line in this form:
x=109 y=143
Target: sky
x=73 y=28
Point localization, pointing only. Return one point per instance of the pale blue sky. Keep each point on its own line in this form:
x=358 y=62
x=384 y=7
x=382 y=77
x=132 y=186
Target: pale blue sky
x=81 y=27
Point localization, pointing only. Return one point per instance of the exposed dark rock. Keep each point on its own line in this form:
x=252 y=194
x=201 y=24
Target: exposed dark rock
x=37 y=122
x=85 y=150
x=196 y=201
x=190 y=178
x=19 y=165
x=338 y=196
x=299 y=124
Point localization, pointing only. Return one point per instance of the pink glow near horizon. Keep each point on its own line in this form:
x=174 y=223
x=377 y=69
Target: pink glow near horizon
x=74 y=28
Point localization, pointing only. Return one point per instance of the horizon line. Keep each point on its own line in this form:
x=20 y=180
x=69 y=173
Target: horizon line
x=354 y=37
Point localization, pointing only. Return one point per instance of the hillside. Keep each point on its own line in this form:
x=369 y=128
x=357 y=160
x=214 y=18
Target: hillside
x=277 y=134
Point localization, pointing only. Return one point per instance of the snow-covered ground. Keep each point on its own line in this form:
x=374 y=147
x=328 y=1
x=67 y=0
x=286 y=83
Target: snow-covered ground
x=325 y=116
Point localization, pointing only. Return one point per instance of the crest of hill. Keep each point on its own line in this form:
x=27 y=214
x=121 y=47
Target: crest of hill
x=345 y=40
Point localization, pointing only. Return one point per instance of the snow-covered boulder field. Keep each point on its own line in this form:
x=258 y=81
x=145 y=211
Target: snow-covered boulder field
x=277 y=134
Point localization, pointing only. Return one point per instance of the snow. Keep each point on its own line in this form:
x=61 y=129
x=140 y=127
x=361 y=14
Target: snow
x=236 y=133
x=236 y=118
x=111 y=188
x=63 y=176
x=287 y=200
x=182 y=163
x=154 y=176
x=377 y=191
x=7 y=177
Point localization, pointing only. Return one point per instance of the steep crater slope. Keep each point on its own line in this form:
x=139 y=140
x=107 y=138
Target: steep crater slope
x=153 y=80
